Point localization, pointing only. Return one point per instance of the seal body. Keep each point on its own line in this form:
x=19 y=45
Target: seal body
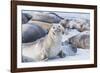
x=25 y=18
x=31 y=33
x=45 y=17
x=44 y=25
x=81 y=40
x=46 y=47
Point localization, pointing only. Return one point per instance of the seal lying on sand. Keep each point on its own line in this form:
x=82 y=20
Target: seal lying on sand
x=44 y=25
x=45 y=17
x=25 y=18
x=78 y=23
x=47 y=47
x=81 y=40
x=31 y=33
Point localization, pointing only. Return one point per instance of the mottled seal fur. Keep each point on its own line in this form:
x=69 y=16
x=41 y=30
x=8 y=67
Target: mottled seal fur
x=46 y=47
x=81 y=40
x=79 y=23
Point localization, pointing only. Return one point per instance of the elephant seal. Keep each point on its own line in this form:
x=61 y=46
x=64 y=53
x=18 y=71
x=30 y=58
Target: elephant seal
x=25 y=17
x=68 y=48
x=31 y=33
x=64 y=23
x=45 y=17
x=44 y=25
x=79 y=23
x=82 y=40
x=76 y=23
x=46 y=47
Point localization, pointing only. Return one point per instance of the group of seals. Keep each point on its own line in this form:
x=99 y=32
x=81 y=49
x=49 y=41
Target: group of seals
x=80 y=24
x=38 y=24
x=47 y=28
x=81 y=40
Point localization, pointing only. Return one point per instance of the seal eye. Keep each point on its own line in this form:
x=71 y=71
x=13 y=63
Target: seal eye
x=53 y=27
x=59 y=26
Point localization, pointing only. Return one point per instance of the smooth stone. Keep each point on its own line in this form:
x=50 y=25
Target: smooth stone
x=31 y=33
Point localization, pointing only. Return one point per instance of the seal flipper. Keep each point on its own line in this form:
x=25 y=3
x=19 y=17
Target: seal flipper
x=44 y=58
x=61 y=54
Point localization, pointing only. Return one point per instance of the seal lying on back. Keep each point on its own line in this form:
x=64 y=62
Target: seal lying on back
x=47 y=47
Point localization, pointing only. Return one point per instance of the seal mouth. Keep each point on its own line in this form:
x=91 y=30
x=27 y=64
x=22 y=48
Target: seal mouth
x=58 y=30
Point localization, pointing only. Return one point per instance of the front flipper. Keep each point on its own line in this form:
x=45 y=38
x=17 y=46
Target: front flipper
x=44 y=57
x=61 y=54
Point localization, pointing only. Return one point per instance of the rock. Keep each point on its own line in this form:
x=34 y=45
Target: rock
x=25 y=17
x=45 y=17
x=31 y=33
x=81 y=40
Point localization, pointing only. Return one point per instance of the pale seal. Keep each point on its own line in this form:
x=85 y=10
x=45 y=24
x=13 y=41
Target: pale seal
x=47 y=47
